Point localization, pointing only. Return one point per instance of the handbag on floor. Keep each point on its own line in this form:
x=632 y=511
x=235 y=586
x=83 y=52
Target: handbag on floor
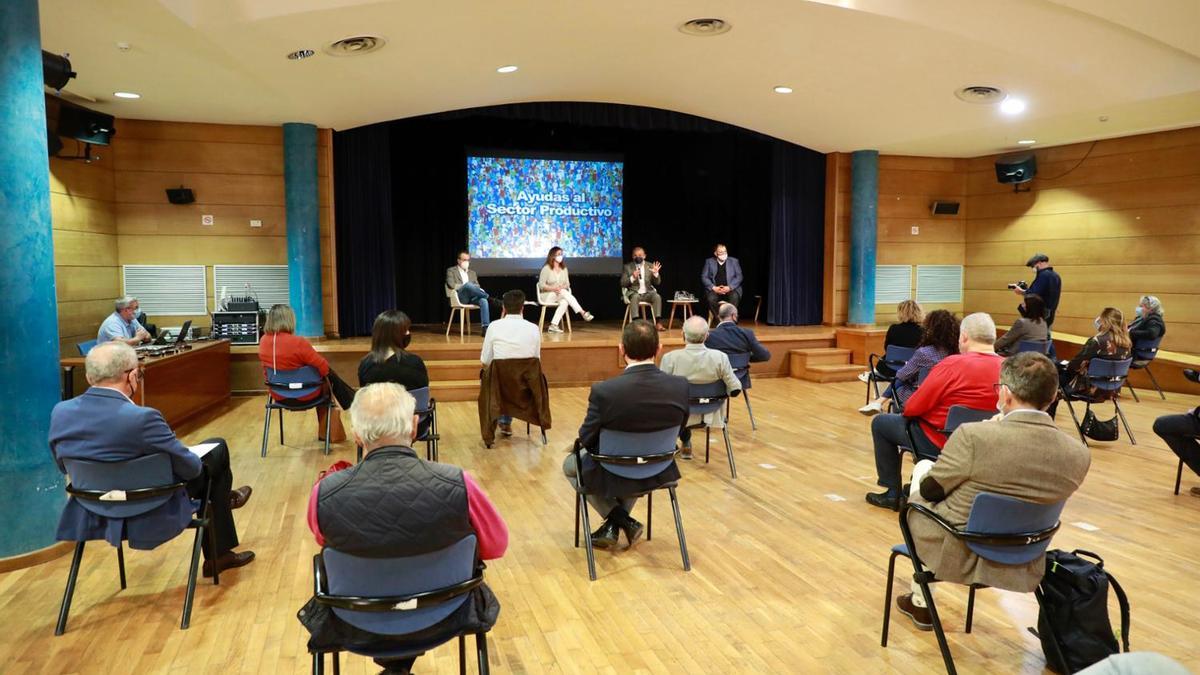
x=1073 y=623
x=1097 y=429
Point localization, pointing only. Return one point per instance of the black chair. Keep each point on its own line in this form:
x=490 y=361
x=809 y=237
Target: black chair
x=959 y=415
x=705 y=399
x=1039 y=346
x=1108 y=376
x=395 y=597
x=124 y=490
x=1001 y=529
x=1144 y=352
x=290 y=386
x=740 y=361
x=635 y=456
x=894 y=357
x=1178 y=476
x=897 y=406
x=426 y=411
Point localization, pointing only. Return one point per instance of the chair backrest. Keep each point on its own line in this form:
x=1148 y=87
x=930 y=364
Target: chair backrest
x=422 y=397
x=1146 y=350
x=1108 y=374
x=922 y=374
x=85 y=347
x=350 y=575
x=1001 y=515
x=297 y=383
x=740 y=361
x=1039 y=346
x=147 y=471
x=896 y=356
x=637 y=444
x=961 y=414
x=706 y=398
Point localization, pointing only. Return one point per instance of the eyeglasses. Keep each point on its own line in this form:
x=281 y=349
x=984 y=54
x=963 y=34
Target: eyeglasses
x=141 y=374
x=996 y=387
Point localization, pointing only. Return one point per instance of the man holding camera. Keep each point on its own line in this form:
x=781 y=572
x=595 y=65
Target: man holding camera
x=1046 y=284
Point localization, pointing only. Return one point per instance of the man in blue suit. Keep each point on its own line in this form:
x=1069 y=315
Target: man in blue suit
x=721 y=279
x=105 y=425
x=731 y=338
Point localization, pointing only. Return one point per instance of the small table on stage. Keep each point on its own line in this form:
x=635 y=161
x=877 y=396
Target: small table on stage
x=178 y=385
x=687 y=310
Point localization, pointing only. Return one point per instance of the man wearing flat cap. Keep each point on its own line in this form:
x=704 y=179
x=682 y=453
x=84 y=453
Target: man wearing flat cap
x=1047 y=285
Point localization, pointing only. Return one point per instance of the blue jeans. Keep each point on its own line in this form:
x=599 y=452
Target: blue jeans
x=889 y=432
x=472 y=294
x=505 y=419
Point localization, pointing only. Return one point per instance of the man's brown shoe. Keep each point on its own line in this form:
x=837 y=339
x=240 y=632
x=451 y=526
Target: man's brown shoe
x=660 y=327
x=1195 y=491
x=228 y=561
x=239 y=497
x=506 y=429
x=920 y=615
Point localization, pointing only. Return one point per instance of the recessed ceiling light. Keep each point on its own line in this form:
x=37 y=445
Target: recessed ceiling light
x=783 y=90
x=1012 y=106
x=1026 y=141
x=506 y=69
x=300 y=54
x=126 y=94
x=705 y=27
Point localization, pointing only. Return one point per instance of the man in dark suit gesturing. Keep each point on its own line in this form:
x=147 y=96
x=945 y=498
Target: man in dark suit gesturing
x=641 y=399
x=105 y=425
x=638 y=282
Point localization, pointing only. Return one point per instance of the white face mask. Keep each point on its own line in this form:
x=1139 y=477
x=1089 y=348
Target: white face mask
x=722 y=256
x=1097 y=324
x=465 y=264
x=1000 y=399
x=558 y=258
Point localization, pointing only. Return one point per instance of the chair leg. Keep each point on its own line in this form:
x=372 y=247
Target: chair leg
x=462 y=655
x=687 y=562
x=1132 y=391
x=65 y=609
x=1178 y=476
x=191 y=584
x=212 y=544
x=587 y=536
x=729 y=452
x=121 y=563
x=625 y=317
x=937 y=628
x=887 y=599
x=481 y=647
x=1121 y=414
x=543 y=436
x=542 y=320
x=450 y=322
x=267 y=426
x=462 y=323
x=970 y=608
x=328 y=425
x=649 y=516
x=318 y=663
x=577 y=520
x=337 y=663
x=1075 y=419
x=281 y=428
x=567 y=317
x=749 y=410
x=706 y=439
x=1155 y=381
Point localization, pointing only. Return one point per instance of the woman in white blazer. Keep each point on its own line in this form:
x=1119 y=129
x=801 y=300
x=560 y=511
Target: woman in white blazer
x=554 y=288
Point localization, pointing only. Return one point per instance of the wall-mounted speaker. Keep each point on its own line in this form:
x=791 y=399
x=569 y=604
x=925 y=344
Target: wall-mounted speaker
x=1016 y=168
x=180 y=195
x=940 y=208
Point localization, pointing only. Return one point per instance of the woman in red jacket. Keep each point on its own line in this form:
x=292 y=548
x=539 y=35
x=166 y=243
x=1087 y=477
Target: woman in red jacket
x=281 y=349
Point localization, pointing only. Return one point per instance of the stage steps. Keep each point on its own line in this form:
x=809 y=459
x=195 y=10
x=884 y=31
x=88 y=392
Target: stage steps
x=454 y=390
x=823 y=364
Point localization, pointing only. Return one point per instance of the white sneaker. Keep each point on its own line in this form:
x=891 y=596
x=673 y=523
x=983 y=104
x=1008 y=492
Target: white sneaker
x=554 y=328
x=865 y=376
x=587 y=316
x=871 y=409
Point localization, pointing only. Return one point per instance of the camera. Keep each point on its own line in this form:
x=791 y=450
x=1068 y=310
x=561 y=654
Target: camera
x=1020 y=284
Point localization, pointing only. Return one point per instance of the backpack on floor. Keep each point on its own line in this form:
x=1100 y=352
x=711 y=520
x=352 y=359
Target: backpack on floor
x=1073 y=620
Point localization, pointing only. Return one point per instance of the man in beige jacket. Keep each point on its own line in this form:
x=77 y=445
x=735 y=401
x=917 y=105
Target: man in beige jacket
x=1019 y=453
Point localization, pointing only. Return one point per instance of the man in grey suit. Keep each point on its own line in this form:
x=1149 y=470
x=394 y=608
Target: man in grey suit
x=721 y=279
x=700 y=365
x=463 y=280
x=638 y=282
x=1019 y=453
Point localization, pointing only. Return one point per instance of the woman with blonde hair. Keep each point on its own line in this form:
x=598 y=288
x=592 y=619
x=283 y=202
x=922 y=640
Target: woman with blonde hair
x=281 y=349
x=906 y=332
x=554 y=288
x=1111 y=341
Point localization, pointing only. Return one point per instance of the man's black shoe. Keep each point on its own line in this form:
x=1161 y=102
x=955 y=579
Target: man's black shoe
x=883 y=500
x=607 y=536
x=633 y=530
x=1192 y=375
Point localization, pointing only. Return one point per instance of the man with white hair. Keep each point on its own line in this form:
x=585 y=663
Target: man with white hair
x=394 y=504
x=700 y=365
x=122 y=325
x=965 y=378
x=105 y=425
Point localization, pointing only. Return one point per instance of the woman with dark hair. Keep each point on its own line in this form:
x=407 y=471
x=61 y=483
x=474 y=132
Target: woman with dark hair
x=1031 y=326
x=939 y=339
x=389 y=360
x=554 y=288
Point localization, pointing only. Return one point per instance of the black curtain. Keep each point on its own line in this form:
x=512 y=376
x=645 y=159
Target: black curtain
x=366 y=269
x=689 y=183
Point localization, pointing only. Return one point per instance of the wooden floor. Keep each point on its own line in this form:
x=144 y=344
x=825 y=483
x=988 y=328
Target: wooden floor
x=788 y=561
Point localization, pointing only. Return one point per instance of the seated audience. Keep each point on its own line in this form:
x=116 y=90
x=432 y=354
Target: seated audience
x=966 y=378
x=122 y=324
x=281 y=349
x=1149 y=323
x=1182 y=433
x=512 y=337
x=389 y=359
x=554 y=288
x=641 y=399
x=393 y=504
x=700 y=365
x=105 y=425
x=1111 y=341
x=1031 y=326
x=730 y=338
x=1020 y=454
x=906 y=332
x=939 y=339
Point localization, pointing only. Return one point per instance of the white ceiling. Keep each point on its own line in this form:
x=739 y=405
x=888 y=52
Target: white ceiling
x=866 y=73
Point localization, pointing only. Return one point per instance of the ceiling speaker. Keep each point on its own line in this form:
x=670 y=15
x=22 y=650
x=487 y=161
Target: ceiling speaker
x=180 y=195
x=940 y=208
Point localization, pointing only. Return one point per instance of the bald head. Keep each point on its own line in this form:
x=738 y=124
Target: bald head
x=383 y=414
x=695 y=330
x=109 y=363
x=727 y=311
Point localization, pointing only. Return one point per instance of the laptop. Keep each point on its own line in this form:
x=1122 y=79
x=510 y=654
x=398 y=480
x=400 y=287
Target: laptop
x=163 y=338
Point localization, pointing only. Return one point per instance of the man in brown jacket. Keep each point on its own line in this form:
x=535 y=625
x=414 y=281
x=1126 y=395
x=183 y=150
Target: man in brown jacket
x=1019 y=453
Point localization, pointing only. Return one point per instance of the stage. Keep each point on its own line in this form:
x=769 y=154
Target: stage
x=586 y=355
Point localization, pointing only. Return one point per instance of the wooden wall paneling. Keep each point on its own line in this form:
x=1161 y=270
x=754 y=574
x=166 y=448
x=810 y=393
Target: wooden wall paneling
x=232 y=189
x=190 y=131
x=837 y=172
x=87 y=282
x=328 y=233
x=82 y=214
x=194 y=249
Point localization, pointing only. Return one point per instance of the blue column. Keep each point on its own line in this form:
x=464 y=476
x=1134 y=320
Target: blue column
x=864 y=197
x=31 y=487
x=303 y=227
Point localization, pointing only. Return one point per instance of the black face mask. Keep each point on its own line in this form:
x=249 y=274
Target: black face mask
x=638 y=259
x=404 y=343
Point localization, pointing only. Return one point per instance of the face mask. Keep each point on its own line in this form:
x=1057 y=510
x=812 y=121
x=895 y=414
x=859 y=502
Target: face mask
x=465 y=264
x=1138 y=311
x=1097 y=324
x=1000 y=399
x=558 y=258
x=639 y=259
x=405 y=342
x=722 y=256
